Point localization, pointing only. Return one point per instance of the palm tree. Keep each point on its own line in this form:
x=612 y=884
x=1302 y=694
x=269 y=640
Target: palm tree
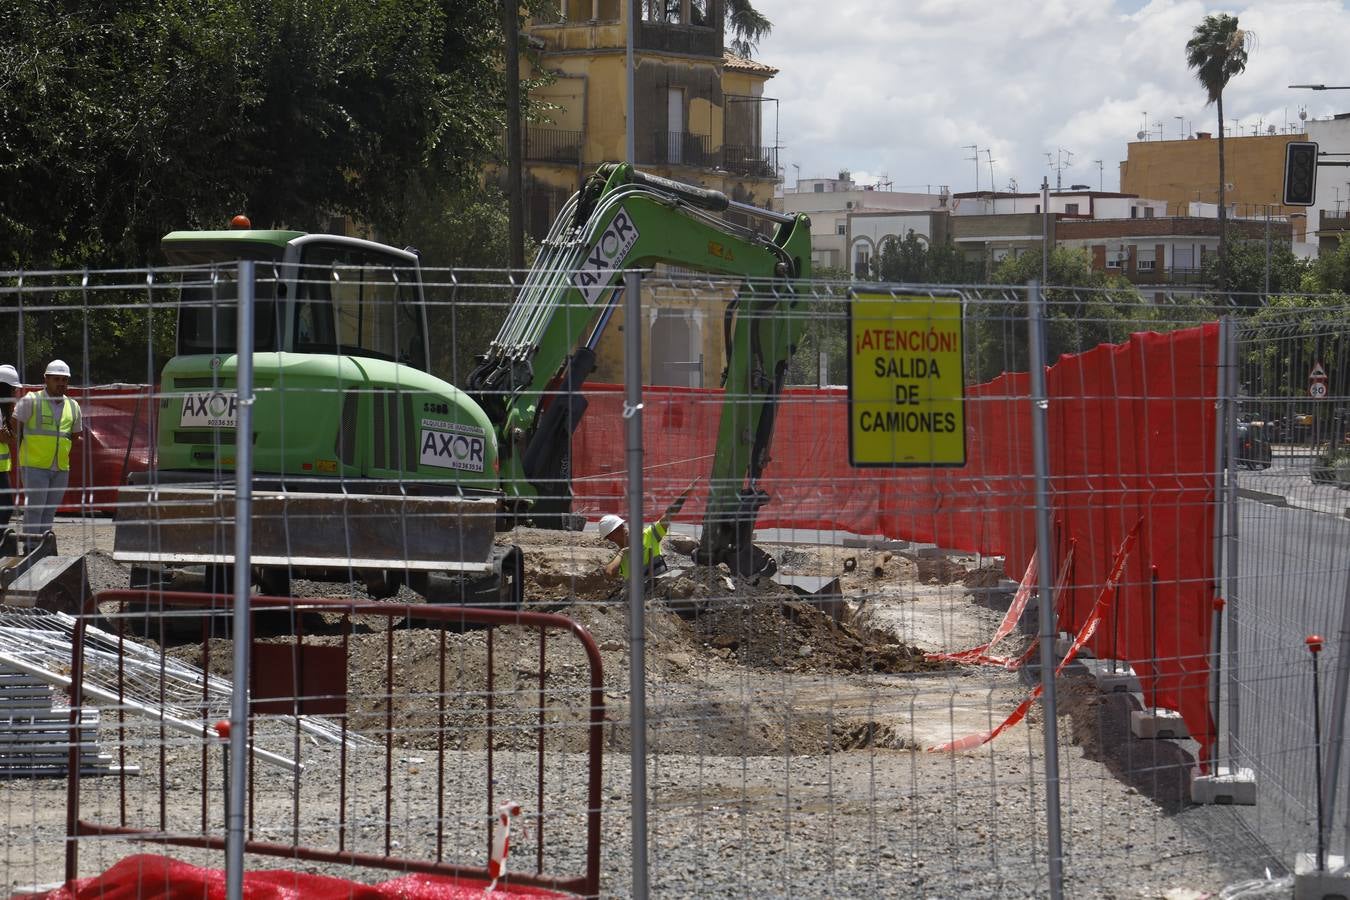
x=1217 y=51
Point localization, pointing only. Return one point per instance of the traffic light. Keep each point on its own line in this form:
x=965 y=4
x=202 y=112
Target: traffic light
x=1300 y=173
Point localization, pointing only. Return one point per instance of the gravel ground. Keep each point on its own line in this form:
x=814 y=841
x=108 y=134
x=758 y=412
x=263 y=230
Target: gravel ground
x=772 y=772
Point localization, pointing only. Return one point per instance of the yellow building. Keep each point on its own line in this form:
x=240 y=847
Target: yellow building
x=698 y=119
x=1187 y=172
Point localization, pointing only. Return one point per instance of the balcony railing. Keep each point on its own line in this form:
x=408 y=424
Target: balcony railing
x=544 y=144
x=683 y=148
x=1174 y=275
x=755 y=162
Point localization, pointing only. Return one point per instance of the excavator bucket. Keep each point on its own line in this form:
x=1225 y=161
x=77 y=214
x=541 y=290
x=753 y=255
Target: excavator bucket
x=42 y=578
x=187 y=526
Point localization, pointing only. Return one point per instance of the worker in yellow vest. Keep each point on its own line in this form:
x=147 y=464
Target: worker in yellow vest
x=9 y=380
x=615 y=530
x=49 y=424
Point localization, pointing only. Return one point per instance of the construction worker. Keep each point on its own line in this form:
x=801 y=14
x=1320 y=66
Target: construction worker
x=614 y=529
x=9 y=380
x=49 y=424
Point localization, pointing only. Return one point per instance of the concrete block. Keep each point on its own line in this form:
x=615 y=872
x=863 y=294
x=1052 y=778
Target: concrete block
x=1157 y=723
x=1113 y=676
x=1064 y=642
x=1331 y=883
x=1224 y=788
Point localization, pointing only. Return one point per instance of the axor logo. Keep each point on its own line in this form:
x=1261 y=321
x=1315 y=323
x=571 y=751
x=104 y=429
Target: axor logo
x=451 y=450
x=210 y=409
x=605 y=257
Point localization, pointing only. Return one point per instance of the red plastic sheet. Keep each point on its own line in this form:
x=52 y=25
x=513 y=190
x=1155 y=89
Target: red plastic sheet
x=149 y=877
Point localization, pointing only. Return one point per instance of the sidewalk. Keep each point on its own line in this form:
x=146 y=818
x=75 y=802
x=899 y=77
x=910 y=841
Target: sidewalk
x=1288 y=484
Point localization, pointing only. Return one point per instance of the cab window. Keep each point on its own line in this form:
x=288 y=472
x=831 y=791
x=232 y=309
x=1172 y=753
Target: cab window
x=356 y=301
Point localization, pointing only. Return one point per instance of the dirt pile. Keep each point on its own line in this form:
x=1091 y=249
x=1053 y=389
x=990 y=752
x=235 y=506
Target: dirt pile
x=758 y=622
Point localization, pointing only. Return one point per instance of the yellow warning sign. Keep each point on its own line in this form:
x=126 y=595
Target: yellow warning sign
x=906 y=382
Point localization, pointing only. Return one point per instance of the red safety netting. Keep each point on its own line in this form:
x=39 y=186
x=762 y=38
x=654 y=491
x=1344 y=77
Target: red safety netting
x=1131 y=434
x=148 y=876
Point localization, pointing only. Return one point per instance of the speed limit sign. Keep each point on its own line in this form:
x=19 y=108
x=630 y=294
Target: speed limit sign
x=1317 y=389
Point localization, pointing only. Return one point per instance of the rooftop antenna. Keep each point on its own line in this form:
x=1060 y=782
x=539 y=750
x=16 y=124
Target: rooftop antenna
x=1061 y=158
x=988 y=154
x=1181 y=125
x=1100 y=176
x=975 y=156
x=1144 y=131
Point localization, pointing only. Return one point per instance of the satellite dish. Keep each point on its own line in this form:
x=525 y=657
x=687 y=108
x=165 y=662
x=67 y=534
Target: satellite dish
x=1303 y=115
x=1270 y=129
x=1139 y=135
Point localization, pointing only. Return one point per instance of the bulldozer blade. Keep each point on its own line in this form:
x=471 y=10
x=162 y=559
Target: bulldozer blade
x=175 y=525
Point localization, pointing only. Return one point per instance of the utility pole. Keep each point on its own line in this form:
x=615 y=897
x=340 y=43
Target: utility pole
x=1045 y=229
x=514 y=201
x=1267 y=298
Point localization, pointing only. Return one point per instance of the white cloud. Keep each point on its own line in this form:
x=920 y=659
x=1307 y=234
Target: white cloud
x=899 y=87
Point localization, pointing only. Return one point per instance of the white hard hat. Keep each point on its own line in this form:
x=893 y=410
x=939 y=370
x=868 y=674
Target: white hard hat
x=57 y=367
x=9 y=375
x=609 y=524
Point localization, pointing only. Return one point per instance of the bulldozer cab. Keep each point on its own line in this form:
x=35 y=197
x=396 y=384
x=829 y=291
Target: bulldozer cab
x=313 y=294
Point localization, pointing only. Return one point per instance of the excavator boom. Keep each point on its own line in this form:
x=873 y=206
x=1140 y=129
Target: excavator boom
x=530 y=379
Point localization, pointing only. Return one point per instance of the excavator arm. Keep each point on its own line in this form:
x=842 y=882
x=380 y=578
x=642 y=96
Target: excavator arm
x=530 y=379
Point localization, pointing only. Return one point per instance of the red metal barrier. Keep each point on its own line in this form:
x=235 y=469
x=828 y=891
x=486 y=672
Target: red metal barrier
x=336 y=797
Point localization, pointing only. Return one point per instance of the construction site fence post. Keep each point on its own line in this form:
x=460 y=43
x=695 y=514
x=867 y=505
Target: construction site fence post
x=1229 y=382
x=1221 y=514
x=1336 y=724
x=1045 y=551
x=239 y=726
x=636 y=573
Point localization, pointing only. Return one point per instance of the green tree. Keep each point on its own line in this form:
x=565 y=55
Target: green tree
x=915 y=261
x=1083 y=308
x=1247 y=270
x=123 y=121
x=746 y=26
x=1330 y=272
x=1217 y=51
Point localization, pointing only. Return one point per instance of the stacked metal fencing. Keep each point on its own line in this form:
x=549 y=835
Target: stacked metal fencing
x=815 y=730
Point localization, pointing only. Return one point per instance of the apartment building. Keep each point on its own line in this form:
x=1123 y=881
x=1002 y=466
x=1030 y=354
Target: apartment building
x=699 y=117
x=849 y=221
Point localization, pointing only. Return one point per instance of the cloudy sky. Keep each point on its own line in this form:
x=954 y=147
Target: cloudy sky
x=898 y=90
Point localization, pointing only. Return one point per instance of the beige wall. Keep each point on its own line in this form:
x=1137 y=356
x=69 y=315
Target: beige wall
x=1182 y=172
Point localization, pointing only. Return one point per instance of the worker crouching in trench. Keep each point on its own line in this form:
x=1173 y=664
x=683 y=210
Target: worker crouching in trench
x=615 y=530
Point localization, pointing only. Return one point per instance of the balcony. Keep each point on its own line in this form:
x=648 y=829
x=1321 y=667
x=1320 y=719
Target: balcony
x=751 y=162
x=543 y=144
x=682 y=148
x=1174 y=275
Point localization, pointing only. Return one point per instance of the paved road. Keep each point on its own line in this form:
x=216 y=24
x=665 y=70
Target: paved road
x=1293 y=564
x=1288 y=480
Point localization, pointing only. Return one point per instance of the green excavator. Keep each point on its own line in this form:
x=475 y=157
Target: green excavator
x=368 y=467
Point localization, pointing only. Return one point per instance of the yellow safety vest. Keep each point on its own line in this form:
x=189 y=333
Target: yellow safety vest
x=651 y=550
x=4 y=456
x=44 y=438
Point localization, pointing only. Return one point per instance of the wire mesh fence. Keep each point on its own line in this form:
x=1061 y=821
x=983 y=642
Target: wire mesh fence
x=841 y=657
